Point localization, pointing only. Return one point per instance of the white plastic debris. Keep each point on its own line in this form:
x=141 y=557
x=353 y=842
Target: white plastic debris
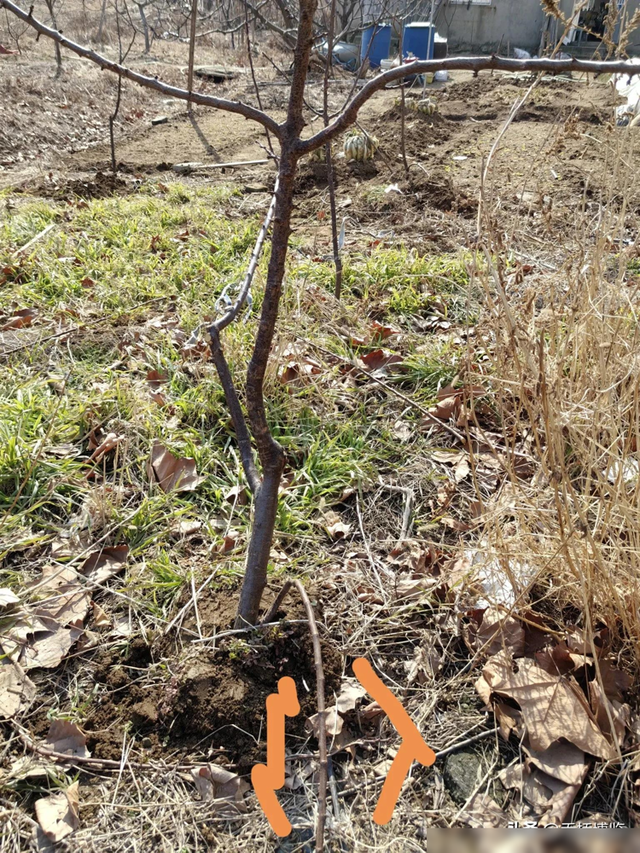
x=500 y=587
x=629 y=89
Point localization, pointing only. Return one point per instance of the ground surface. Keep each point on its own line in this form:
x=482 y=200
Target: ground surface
x=379 y=508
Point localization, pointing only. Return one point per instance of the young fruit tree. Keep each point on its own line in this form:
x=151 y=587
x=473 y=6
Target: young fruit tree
x=250 y=420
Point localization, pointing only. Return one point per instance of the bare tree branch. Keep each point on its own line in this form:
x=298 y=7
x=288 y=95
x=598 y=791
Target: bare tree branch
x=237 y=107
x=237 y=415
x=459 y=63
x=322 y=723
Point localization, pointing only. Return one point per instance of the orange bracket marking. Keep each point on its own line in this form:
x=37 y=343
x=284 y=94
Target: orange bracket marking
x=268 y=778
x=413 y=747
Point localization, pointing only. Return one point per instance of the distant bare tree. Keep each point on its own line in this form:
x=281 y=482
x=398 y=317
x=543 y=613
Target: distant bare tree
x=52 y=14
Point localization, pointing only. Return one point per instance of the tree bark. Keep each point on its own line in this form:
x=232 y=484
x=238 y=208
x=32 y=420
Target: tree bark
x=270 y=452
x=145 y=28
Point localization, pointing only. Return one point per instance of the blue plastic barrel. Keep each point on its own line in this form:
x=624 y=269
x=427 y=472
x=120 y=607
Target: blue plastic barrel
x=380 y=39
x=418 y=39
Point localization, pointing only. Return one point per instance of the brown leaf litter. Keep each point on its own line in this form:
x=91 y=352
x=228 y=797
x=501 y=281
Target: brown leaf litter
x=59 y=814
x=172 y=473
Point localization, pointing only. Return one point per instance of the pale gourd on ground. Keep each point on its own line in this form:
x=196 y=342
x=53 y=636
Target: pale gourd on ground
x=360 y=145
x=426 y=106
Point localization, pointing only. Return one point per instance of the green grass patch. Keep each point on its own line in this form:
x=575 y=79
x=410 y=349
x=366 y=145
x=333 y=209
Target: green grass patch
x=139 y=274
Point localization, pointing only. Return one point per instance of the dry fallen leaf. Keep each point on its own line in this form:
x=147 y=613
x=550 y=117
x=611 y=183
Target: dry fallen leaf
x=100 y=618
x=350 y=693
x=402 y=430
x=237 y=494
x=461 y=470
x=8 y=597
x=58 y=815
x=414 y=589
x=499 y=631
x=17 y=691
x=66 y=737
x=371 y=711
x=173 y=474
x=109 y=443
x=228 y=542
x=549 y=781
x=155 y=380
x=425 y=664
x=20 y=319
x=553 y=707
x=560 y=804
x=185 y=527
x=105 y=563
x=603 y=709
x=29 y=767
x=223 y=789
x=482 y=812
x=49 y=648
x=378 y=360
x=378 y=330
x=335 y=526
x=333 y=723
x=61 y=596
x=563 y=761
x=299 y=368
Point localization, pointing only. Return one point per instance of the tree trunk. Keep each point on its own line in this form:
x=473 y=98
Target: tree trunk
x=192 y=50
x=270 y=452
x=145 y=28
x=103 y=16
x=57 y=46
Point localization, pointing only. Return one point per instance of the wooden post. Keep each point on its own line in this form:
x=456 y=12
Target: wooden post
x=192 y=50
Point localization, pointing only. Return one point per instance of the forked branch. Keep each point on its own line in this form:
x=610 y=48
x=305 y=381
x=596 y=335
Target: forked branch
x=226 y=380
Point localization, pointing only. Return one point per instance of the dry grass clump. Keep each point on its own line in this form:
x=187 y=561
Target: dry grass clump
x=565 y=367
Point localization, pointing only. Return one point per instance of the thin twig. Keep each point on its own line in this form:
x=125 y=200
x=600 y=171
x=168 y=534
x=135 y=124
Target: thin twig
x=253 y=75
x=185 y=168
x=322 y=727
x=237 y=415
x=97 y=763
x=337 y=260
x=77 y=328
x=367 y=548
x=462 y=743
x=271 y=612
x=184 y=609
x=226 y=380
x=235 y=309
x=35 y=239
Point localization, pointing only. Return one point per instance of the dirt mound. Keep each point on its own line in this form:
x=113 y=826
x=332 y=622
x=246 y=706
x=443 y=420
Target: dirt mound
x=214 y=695
x=421 y=130
x=100 y=186
x=550 y=112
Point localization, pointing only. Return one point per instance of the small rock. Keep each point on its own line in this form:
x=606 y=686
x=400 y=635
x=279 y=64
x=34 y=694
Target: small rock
x=160 y=120
x=461 y=774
